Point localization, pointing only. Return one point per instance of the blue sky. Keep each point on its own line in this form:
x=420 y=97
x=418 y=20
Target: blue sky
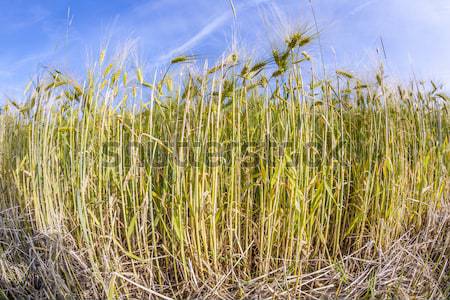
x=67 y=34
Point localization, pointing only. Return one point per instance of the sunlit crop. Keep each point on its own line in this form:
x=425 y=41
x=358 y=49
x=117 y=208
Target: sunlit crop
x=248 y=178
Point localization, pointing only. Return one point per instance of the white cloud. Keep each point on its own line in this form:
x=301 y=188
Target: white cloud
x=216 y=23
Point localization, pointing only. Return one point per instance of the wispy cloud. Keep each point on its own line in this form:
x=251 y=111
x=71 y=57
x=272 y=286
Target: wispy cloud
x=199 y=36
x=361 y=7
x=29 y=17
x=216 y=23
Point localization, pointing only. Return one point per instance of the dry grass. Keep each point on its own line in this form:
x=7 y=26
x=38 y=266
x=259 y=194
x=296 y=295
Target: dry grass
x=38 y=265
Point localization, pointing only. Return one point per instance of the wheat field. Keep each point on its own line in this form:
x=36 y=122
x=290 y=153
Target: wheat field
x=244 y=179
